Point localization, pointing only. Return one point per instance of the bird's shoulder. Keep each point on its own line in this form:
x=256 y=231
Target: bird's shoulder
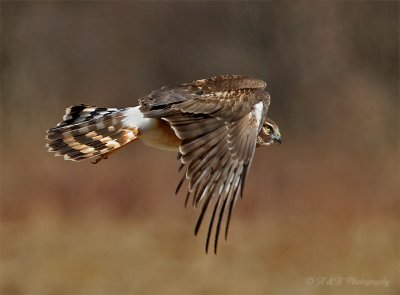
x=226 y=83
x=227 y=92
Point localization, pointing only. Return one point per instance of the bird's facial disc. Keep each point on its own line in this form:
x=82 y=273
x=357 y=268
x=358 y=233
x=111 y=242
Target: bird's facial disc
x=269 y=133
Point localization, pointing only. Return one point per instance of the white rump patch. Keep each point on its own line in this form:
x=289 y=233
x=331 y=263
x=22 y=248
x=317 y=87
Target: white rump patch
x=152 y=131
x=134 y=119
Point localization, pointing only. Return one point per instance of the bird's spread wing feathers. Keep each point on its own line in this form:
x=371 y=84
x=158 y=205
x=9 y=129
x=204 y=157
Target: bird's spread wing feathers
x=217 y=121
x=226 y=97
x=217 y=164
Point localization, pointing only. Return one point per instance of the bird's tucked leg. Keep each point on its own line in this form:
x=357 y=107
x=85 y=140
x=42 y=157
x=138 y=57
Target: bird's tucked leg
x=102 y=157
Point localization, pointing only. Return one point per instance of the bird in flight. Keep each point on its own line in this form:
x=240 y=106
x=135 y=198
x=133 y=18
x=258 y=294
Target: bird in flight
x=213 y=124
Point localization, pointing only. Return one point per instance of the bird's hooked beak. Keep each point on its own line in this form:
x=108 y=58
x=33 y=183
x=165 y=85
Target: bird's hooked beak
x=277 y=137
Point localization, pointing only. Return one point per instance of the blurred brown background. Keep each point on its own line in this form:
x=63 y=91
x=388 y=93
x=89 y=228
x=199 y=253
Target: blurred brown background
x=323 y=204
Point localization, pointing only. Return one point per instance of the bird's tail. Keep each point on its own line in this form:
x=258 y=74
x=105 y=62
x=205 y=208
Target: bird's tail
x=88 y=131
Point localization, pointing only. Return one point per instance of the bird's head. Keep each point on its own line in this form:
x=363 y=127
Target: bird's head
x=268 y=133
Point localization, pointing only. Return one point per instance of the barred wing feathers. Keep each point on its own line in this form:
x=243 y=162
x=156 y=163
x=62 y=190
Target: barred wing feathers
x=217 y=164
x=217 y=120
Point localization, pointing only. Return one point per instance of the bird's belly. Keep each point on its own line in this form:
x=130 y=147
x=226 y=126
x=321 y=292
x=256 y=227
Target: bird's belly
x=160 y=135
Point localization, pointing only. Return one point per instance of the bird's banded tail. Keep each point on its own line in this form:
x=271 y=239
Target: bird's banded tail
x=88 y=131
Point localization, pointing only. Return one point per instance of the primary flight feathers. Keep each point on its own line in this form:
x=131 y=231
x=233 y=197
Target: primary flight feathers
x=214 y=124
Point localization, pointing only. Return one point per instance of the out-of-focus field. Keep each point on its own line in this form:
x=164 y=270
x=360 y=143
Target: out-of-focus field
x=98 y=255
x=320 y=213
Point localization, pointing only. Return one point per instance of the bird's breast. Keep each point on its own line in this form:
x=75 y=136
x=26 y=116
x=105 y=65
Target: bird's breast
x=159 y=134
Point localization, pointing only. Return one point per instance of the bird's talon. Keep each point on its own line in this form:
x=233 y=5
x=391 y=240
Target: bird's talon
x=102 y=157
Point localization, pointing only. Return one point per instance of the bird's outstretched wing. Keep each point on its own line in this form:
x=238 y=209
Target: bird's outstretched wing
x=228 y=98
x=217 y=121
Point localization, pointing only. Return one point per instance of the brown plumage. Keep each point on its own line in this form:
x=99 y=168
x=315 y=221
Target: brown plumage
x=216 y=122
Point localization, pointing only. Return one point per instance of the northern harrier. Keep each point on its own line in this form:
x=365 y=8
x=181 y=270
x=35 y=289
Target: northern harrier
x=214 y=124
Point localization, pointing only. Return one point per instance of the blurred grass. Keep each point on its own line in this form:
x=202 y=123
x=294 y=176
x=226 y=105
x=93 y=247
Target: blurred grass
x=159 y=255
x=323 y=204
